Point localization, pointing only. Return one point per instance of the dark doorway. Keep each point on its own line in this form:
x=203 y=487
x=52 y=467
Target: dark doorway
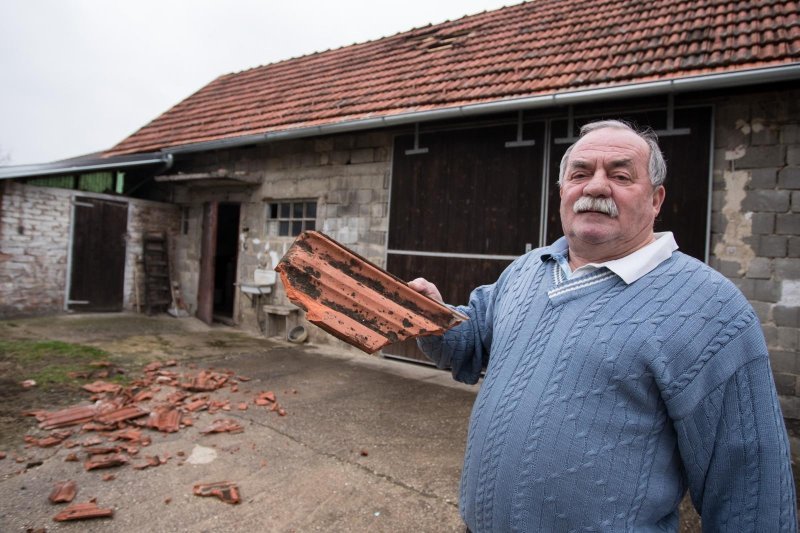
x=225 y=261
x=97 y=272
x=218 y=258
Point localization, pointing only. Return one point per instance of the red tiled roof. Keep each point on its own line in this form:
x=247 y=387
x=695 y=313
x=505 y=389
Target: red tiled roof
x=535 y=48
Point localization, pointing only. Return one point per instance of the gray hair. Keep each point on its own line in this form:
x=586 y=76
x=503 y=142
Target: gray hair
x=656 y=167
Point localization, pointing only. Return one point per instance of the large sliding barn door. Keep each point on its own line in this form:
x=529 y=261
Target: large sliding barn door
x=461 y=212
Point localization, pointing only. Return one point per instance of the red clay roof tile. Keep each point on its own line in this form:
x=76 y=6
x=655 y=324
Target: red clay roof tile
x=64 y=492
x=123 y=413
x=514 y=52
x=223 y=425
x=105 y=461
x=164 y=418
x=80 y=511
x=353 y=299
x=226 y=491
x=69 y=416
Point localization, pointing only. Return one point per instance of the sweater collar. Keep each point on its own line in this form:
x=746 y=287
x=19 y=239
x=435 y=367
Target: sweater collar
x=629 y=268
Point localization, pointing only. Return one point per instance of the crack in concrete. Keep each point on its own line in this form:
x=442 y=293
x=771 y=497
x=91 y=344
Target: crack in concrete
x=330 y=455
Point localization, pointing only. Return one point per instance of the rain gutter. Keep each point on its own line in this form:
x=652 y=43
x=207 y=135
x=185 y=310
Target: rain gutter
x=78 y=167
x=693 y=83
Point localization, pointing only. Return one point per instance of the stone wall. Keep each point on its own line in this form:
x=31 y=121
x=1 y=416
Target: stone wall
x=34 y=237
x=756 y=220
x=348 y=176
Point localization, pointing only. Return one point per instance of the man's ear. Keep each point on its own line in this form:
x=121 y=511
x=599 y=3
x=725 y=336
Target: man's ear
x=658 y=198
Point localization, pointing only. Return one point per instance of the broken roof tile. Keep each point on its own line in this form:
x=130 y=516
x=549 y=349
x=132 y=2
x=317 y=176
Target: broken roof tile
x=164 y=418
x=143 y=395
x=51 y=440
x=102 y=386
x=91 y=441
x=105 y=461
x=64 y=492
x=152 y=367
x=80 y=511
x=223 y=425
x=177 y=397
x=123 y=413
x=226 y=491
x=101 y=450
x=69 y=416
x=196 y=405
x=205 y=381
x=95 y=426
x=355 y=300
x=129 y=434
x=150 y=460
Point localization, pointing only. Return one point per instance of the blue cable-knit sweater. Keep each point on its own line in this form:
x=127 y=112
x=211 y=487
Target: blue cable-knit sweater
x=602 y=402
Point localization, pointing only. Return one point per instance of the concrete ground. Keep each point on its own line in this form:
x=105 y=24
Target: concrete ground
x=368 y=444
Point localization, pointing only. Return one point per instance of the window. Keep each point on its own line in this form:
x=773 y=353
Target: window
x=291 y=218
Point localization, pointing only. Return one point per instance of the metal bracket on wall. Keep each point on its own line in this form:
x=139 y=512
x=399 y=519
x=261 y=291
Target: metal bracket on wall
x=520 y=142
x=669 y=131
x=416 y=150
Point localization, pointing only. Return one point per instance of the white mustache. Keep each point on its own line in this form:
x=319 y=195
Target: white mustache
x=601 y=205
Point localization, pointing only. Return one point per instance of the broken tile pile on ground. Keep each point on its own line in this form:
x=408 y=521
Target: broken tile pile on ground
x=113 y=429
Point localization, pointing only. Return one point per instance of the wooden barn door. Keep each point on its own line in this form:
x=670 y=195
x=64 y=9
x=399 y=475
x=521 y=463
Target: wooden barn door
x=97 y=273
x=461 y=212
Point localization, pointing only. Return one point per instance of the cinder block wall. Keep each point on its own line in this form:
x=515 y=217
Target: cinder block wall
x=34 y=236
x=348 y=175
x=756 y=220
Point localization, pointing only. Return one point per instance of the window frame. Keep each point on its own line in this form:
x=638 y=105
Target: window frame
x=284 y=220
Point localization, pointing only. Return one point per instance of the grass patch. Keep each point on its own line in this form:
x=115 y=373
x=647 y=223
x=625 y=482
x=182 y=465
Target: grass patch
x=28 y=350
x=48 y=362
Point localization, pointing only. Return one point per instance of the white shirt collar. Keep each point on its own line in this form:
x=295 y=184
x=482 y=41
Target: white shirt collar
x=639 y=263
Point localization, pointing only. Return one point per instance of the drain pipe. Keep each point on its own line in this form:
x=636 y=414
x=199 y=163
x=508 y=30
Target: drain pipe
x=692 y=83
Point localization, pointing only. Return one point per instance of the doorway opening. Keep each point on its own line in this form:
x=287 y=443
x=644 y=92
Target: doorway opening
x=225 y=262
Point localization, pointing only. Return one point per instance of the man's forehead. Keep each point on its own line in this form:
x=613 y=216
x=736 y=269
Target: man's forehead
x=611 y=143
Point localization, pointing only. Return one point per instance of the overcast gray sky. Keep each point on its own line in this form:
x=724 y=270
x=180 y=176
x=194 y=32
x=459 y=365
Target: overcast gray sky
x=78 y=76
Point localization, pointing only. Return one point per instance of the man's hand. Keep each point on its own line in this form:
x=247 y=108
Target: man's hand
x=423 y=286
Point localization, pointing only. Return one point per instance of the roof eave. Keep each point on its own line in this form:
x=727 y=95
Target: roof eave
x=89 y=165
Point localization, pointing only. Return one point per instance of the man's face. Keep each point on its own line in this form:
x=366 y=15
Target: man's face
x=607 y=166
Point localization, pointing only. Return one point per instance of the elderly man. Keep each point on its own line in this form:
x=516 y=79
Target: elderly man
x=619 y=371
